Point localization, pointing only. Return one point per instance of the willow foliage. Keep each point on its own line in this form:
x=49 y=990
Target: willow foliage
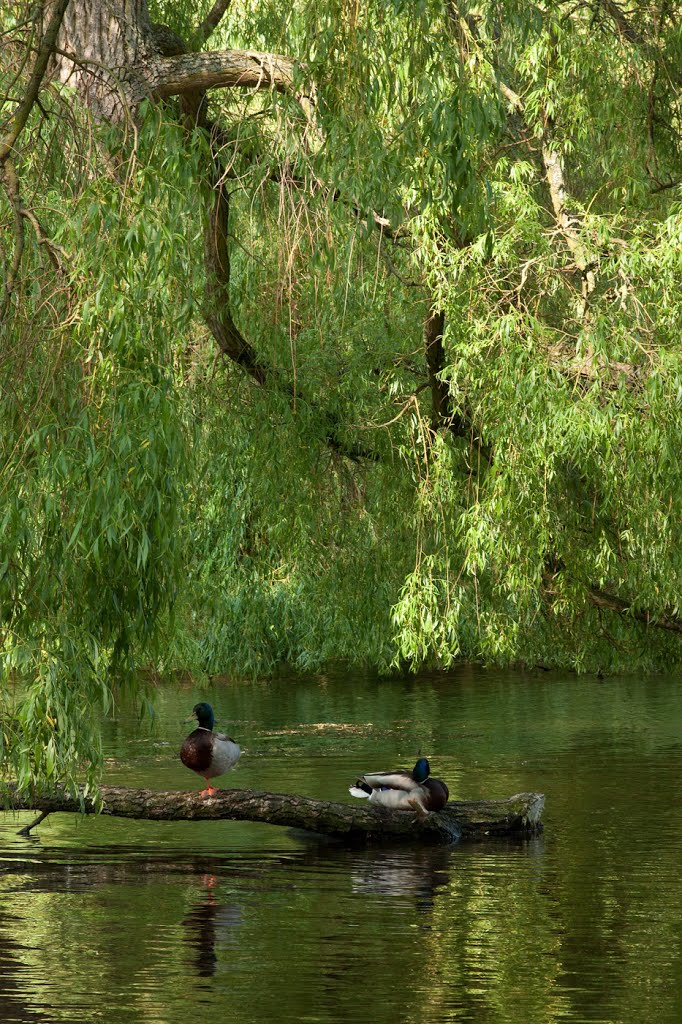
x=339 y=483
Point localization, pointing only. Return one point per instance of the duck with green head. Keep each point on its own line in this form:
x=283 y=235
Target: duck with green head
x=403 y=790
x=206 y=752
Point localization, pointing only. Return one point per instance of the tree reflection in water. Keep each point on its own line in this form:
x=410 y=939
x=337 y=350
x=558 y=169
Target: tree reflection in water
x=209 y=926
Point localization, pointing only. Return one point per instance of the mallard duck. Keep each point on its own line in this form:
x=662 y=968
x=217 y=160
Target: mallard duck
x=404 y=791
x=206 y=752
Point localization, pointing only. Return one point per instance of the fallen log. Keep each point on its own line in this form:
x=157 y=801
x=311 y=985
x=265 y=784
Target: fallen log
x=358 y=822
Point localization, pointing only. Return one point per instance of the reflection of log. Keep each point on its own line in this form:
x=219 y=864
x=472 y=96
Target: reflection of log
x=352 y=822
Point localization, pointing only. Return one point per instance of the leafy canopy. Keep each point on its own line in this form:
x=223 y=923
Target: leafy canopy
x=514 y=168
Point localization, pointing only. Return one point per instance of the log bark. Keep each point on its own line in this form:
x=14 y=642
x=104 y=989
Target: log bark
x=358 y=822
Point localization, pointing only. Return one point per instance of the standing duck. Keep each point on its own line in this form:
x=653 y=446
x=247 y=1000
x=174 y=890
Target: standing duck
x=404 y=791
x=208 y=753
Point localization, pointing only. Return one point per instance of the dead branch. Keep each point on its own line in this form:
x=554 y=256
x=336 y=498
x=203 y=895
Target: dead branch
x=357 y=822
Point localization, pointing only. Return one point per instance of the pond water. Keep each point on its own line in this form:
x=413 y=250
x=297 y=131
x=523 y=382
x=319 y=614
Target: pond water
x=117 y=921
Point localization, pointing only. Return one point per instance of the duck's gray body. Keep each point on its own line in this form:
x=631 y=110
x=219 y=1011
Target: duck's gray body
x=209 y=754
x=226 y=753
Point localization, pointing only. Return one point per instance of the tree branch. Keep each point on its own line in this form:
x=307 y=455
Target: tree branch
x=24 y=109
x=554 y=175
x=625 y=28
x=442 y=415
x=610 y=602
x=210 y=22
x=11 y=183
x=357 y=822
x=17 y=124
x=189 y=72
x=217 y=309
x=553 y=172
x=217 y=312
x=434 y=326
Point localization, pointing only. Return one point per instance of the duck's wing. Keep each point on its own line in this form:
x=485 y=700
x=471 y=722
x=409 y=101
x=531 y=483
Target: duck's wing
x=390 y=780
x=226 y=753
x=397 y=799
x=223 y=737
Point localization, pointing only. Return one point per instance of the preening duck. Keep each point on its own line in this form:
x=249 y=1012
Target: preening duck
x=404 y=791
x=208 y=753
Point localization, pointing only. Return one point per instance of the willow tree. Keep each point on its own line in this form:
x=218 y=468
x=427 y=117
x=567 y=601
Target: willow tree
x=333 y=331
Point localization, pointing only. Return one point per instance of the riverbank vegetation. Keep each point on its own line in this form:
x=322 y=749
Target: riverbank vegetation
x=333 y=331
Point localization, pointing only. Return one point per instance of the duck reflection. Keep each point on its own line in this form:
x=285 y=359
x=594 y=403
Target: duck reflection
x=209 y=925
x=416 y=871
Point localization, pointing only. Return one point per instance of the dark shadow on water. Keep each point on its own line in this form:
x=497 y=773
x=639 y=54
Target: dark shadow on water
x=13 y=1004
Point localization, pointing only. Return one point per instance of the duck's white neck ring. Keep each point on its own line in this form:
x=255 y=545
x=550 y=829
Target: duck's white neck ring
x=204 y=728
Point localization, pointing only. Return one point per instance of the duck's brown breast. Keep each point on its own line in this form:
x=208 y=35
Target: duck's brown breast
x=438 y=794
x=197 y=750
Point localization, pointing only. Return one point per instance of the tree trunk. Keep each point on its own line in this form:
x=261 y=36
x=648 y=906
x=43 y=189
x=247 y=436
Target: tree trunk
x=99 y=46
x=114 y=56
x=359 y=822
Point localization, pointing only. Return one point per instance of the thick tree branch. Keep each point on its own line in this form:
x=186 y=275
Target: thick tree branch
x=189 y=72
x=11 y=183
x=434 y=326
x=566 y=223
x=442 y=415
x=166 y=41
x=357 y=822
x=610 y=602
x=217 y=309
x=552 y=169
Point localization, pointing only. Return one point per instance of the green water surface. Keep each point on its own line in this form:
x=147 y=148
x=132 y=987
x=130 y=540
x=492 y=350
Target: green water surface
x=118 y=921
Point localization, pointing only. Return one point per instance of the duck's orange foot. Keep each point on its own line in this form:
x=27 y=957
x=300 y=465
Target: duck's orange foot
x=209 y=791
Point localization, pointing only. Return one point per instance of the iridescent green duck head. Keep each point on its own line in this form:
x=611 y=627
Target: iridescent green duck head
x=421 y=770
x=203 y=713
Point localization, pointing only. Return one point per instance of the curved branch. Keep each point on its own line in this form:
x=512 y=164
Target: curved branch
x=218 y=312
x=211 y=22
x=613 y=603
x=8 y=174
x=219 y=69
x=358 y=822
